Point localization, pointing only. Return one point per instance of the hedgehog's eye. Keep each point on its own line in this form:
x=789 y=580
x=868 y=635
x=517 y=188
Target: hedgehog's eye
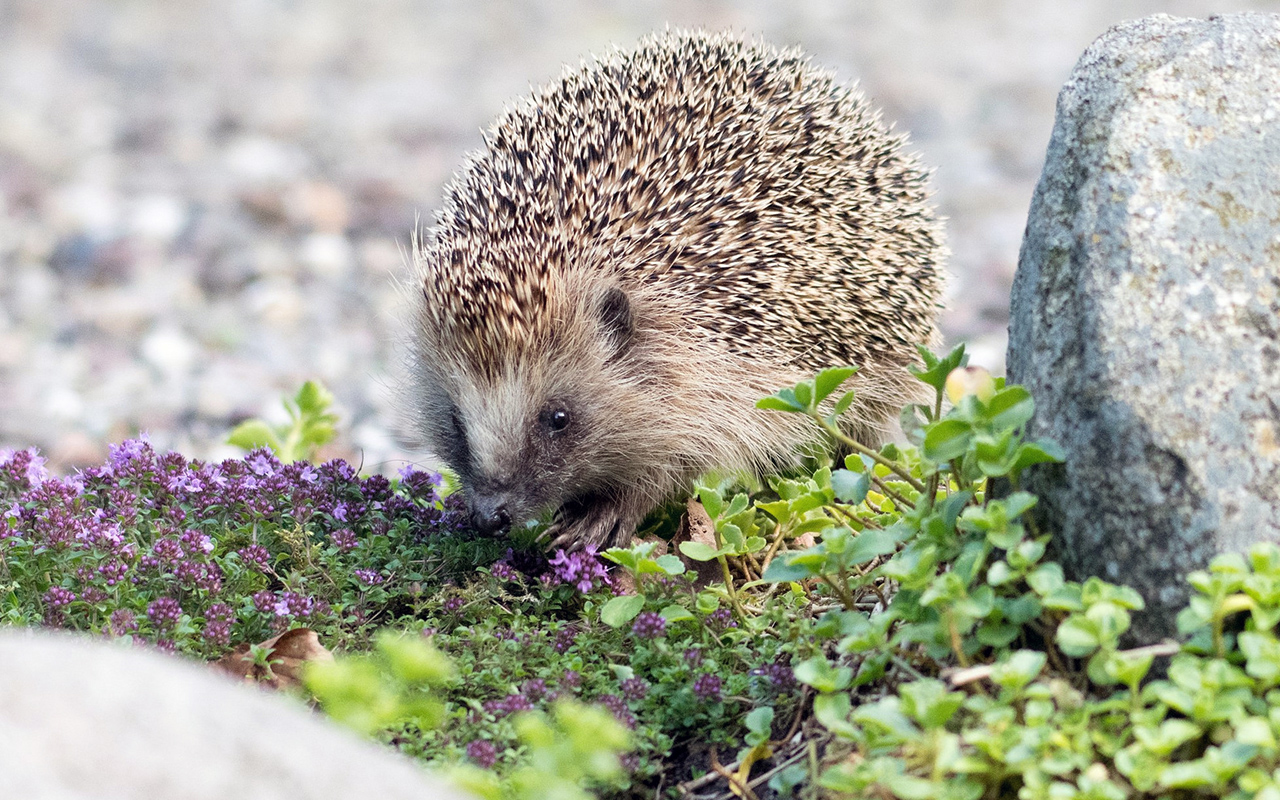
x=554 y=420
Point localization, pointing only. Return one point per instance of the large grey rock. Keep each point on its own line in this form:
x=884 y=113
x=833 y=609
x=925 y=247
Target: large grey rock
x=1146 y=307
x=87 y=719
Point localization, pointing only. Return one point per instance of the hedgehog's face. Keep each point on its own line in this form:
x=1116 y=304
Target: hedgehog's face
x=547 y=429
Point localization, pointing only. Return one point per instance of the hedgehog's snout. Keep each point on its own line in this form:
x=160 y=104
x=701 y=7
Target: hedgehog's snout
x=490 y=514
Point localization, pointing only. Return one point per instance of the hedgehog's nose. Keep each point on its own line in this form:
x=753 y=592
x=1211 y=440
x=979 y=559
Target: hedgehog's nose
x=490 y=516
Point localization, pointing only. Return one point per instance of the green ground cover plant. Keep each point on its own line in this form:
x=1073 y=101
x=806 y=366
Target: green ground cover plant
x=889 y=626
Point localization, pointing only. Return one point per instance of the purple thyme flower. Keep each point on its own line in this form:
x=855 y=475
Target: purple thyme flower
x=482 y=752
x=618 y=707
x=452 y=605
x=219 y=611
x=292 y=604
x=124 y=454
x=707 y=687
x=571 y=679
x=534 y=688
x=28 y=465
x=262 y=462
x=635 y=689
x=510 y=704
x=217 y=626
x=167 y=550
x=344 y=540
x=580 y=569
x=122 y=622
x=164 y=613
x=368 y=577
x=255 y=556
x=113 y=571
x=693 y=657
x=778 y=676
x=649 y=625
x=57 y=597
x=198 y=575
x=564 y=639
x=264 y=602
x=721 y=619
x=196 y=542
x=502 y=571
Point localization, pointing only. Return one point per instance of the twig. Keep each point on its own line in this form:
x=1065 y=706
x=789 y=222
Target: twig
x=743 y=789
x=961 y=677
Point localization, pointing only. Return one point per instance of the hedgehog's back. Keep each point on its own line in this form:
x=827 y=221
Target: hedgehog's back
x=763 y=202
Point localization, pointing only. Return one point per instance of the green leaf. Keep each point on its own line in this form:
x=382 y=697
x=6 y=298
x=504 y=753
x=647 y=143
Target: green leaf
x=1020 y=669
x=780 y=402
x=413 y=659
x=1010 y=408
x=782 y=570
x=1037 y=453
x=707 y=602
x=869 y=544
x=699 y=551
x=937 y=369
x=832 y=710
x=760 y=721
x=670 y=564
x=1046 y=579
x=842 y=405
x=313 y=398
x=736 y=506
x=623 y=557
x=731 y=536
x=1127 y=668
x=850 y=487
x=946 y=440
x=887 y=715
x=675 y=613
x=1077 y=636
x=621 y=610
x=821 y=675
x=929 y=702
x=803 y=392
x=252 y=434
x=829 y=380
x=711 y=501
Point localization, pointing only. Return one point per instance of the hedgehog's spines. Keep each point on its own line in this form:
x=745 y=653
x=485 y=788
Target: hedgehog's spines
x=759 y=219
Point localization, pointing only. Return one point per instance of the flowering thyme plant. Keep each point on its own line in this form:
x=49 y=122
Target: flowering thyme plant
x=193 y=556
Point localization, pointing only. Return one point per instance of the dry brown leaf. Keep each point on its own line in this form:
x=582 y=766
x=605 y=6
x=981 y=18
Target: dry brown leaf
x=286 y=654
x=698 y=527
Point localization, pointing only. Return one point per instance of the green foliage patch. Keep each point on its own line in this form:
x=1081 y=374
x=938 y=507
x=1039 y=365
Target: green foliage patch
x=888 y=626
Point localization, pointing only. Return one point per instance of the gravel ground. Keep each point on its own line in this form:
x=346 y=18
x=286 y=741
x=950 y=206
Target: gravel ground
x=203 y=204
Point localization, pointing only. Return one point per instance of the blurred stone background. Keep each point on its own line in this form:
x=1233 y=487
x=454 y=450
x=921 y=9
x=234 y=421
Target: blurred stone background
x=203 y=204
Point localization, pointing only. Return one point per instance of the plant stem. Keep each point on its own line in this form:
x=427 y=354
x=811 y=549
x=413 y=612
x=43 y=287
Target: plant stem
x=857 y=447
x=890 y=493
x=728 y=585
x=842 y=592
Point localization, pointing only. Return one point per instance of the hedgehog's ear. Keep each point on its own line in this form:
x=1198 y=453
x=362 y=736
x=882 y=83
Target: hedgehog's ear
x=616 y=322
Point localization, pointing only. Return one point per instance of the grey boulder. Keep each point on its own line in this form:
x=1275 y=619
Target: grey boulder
x=81 y=718
x=1146 y=307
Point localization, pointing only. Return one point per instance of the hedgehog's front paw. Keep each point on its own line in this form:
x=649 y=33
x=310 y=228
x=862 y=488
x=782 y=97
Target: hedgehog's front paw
x=584 y=524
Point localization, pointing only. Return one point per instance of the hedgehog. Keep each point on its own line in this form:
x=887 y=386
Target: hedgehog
x=643 y=249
